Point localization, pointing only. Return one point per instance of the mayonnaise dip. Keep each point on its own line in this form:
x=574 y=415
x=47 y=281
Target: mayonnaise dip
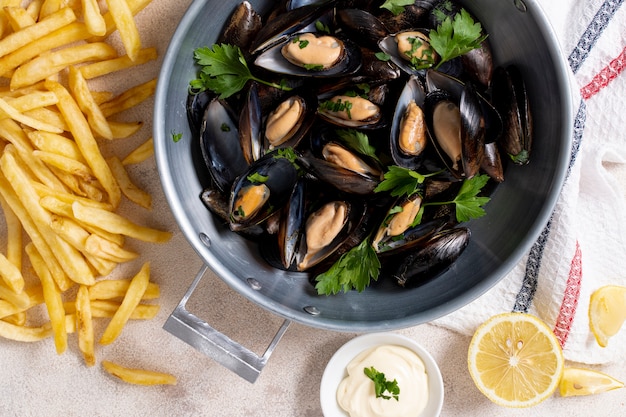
x=356 y=394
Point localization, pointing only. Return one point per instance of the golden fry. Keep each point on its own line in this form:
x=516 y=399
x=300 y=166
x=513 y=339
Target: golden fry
x=93 y=18
x=135 y=7
x=23 y=333
x=14 y=114
x=105 y=309
x=84 y=326
x=14 y=234
x=124 y=21
x=69 y=165
x=36 y=31
x=82 y=95
x=115 y=223
x=123 y=130
x=11 y=275
x=140 y=153
x=100 y=68
x=53 y=62
x=86 y=142
x=33 y=100
x=136 y=289
x=66 y=35
x=20 y=300
x=129 y=98
x=52 y=297
x=48 y=116
x=115 y=288
x=138 y=376
x=52 y=142
x=105 y=249
x=129 y=189
x=18 y=18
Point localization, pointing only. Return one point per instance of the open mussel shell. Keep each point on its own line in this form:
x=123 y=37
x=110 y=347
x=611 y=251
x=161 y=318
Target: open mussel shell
x=416 y=42
x=433 y=257
x=351 y=111
x=277 y=59
x=326 y=228
x=277 y=29
x=219 y=144
x=511 y=100
x=261 y=190
x=250 y=125
x=408 y=136
x=362 y=26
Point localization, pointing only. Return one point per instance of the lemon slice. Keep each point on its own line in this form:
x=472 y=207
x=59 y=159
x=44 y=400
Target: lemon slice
x=578 y=381
x=607 y=312
x=515 y=360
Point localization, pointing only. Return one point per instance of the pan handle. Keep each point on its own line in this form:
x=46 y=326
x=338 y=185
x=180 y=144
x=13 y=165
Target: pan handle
x=219 y=347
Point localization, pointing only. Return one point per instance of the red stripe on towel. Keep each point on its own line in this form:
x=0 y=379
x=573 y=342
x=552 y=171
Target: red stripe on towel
x=567 y=312
x=604 y=77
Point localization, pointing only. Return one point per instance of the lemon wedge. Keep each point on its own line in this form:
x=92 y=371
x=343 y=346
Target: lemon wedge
x=607 y=312
x=578 y=381
x=515 y=360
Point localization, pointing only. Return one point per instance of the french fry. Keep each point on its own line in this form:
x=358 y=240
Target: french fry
x=116 y=288
x=124 y=21
x=11 y=275
x=66 y=35
x=14 y=234
x=52 y=142
x=19 y=319
x=84 y=326
x=51 y=63
x=123 y=130
x=35 y=31
x=69 y=258
x=48 y=116
x=114 y=223
x=69 y=165
x=136 y=289
x=135 y=7
x=33 y=232
x=129 y=98
x=33 y=100
x=97 y=69
x=138 y=376
x=86 y=142
x=101 y=96
x=20 y=300
x=23 y=333
x=33 y=8
x=18 y=18
x=52 y=297
x=129 y=189
x=105 y=249
x=140 y=153
x=93 y=18
x=14 y=114
x=105 y=309
x=82 y=95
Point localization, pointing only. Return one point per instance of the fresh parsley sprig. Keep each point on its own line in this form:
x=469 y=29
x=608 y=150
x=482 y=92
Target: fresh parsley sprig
x=354 y=270
x=224 y=70
x=396 y=6
x=382 y=385
x=402 y=181
x=456 y=36
x=358 y=141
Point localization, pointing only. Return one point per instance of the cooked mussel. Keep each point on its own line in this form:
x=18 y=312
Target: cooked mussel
x=511 y=101
x=219 y=143
x=410 y=50
x=261 y=190
x=351 y=111
x=312 y=55
x=290 y=121
x=409 y=137
x=433 y=257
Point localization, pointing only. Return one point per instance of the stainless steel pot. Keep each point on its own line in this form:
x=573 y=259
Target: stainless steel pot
x=519 y=209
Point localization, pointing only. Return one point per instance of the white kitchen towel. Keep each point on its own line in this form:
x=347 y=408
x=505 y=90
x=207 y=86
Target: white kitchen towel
x=583 y=246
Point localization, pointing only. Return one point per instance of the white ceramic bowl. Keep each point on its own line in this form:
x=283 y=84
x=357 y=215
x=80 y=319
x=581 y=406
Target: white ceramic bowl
x=335 y=371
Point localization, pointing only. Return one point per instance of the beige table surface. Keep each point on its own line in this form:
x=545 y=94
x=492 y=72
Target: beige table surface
x=35 y=381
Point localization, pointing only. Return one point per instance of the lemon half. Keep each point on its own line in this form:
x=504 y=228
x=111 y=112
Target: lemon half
x=515 y=360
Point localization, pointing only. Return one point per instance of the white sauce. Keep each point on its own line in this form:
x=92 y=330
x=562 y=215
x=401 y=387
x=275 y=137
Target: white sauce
x=356 y=395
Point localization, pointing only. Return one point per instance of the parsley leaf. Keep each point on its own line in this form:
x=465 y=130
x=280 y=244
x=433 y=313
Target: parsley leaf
x=257 y=178
x=354 y=270
x=456 y=36
x=402 y=181
x=224 y=70
x=468 y=204
x=358 y=141
x=381 y=384
x=396 y=6
x=176 y=137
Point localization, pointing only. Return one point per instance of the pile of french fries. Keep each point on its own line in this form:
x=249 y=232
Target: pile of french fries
x=59 y=194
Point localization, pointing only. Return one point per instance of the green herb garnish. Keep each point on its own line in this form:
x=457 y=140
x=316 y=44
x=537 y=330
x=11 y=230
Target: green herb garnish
x=382 y=385
x=176 y=137
x=224 y=70
x=354 y=270
x=382 y=56
x=313 y=67
x=456 y=36
x=225 y=127
x=396 y=6
x=321 y=27
x=402 y=181
x=257 y=178
x=358 y=141
x=337 y=106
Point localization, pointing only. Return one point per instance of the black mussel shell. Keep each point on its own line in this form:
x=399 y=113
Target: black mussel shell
x=272 y=173
x=363 y=26
x=196 y=105
x=219 y=143
x=292 y=224
x=413 y=91
x=250 y=125
x=433 y=258
x=242 y=27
